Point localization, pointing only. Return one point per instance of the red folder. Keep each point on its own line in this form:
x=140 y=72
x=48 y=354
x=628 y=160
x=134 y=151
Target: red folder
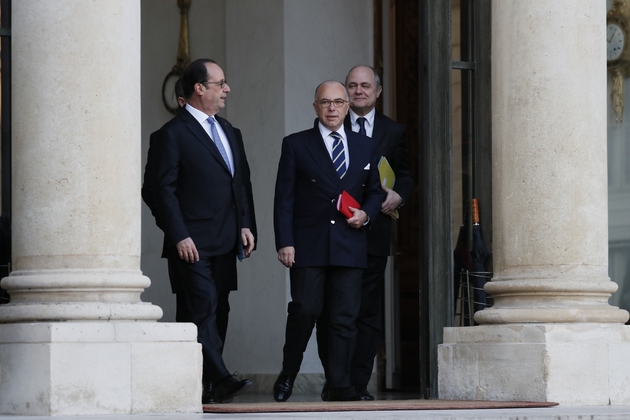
x=344 y=201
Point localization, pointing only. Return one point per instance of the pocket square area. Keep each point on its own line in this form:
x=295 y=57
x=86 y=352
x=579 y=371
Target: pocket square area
x=367 y=167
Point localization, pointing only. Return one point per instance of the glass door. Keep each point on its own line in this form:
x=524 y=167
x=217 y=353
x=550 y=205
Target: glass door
x=619 y=194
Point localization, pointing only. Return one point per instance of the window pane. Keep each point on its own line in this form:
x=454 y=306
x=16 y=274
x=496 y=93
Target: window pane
x=619 y=195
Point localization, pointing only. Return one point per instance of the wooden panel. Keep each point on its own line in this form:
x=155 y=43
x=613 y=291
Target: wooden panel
x=435 y=112
x=482 y=111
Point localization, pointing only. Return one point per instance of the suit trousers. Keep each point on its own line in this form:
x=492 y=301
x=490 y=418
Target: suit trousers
x=177 y=271
x=369 y=324
x=340 y=288
x=198 y=301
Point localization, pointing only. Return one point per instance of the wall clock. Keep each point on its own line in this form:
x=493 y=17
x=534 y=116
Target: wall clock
x=617 y=52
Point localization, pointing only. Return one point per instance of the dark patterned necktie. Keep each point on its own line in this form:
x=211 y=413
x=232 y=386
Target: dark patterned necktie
x=338 y=155
x=361 y=122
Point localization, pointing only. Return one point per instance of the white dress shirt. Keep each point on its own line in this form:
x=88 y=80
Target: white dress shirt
x=202 y=117
x=329 y=140
x=369 y=122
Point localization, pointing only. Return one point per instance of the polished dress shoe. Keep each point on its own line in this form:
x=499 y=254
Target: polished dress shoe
x=363 y=393
x=283 y=387
x=325 y=392
x=207 y=397
x=343 y=394
x=228 y=388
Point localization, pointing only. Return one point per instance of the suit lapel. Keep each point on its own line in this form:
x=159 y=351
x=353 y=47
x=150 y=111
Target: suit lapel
x=318 y=151
x=379 y=130
x=201 y=135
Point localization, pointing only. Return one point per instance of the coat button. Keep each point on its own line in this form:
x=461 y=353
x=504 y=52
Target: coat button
x=332 y=222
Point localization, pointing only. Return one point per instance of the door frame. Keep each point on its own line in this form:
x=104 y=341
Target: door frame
x=436 y=253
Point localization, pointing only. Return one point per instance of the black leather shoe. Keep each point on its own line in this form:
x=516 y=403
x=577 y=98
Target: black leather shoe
x=325 y=392
x=207 y=397
x=228 y=388
x=363 y=393
x=343 y=394
x=283 y=387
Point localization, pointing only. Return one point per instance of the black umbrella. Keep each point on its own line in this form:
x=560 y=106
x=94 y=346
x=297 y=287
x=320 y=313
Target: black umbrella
x=462 y=266
x=479 y=255
x=461 y=258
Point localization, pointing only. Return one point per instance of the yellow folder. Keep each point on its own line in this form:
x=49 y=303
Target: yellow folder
x=388 y=178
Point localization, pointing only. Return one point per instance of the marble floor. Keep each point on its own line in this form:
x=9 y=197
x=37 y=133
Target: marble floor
x=550 y=413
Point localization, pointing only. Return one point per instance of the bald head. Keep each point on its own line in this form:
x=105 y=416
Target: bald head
x=331 y=104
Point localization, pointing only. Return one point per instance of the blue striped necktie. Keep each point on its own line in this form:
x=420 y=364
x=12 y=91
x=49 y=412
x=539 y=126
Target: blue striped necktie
x=338 y=155
x=217 y=140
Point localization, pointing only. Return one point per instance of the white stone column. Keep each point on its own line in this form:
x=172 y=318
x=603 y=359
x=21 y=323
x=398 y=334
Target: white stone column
x=550 y=196
x=76 y=163
x=76 y=225
x=551 y=325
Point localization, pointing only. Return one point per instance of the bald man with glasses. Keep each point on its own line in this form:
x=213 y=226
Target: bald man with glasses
x=324 y=249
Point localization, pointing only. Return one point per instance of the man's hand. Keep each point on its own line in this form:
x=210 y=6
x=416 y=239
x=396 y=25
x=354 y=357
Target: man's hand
x=187 y=250
x=358 y=219
x=392 y=202
x=286 y=256
x=247 y=239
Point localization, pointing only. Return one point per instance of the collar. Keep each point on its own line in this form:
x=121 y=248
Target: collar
x=369 y=117
x=325 y=131
x=199 y=115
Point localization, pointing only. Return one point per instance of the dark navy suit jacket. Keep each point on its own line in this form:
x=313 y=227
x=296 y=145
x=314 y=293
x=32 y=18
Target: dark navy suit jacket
x=389 y=141
x=191 y=192
x=305 y=203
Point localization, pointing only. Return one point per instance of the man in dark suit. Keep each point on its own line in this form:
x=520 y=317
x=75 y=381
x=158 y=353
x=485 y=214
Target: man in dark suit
x=364 y=87
x=197 y=186
x=325 y=251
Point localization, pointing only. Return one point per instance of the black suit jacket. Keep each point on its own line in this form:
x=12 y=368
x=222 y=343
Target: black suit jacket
x=307 y=187
x=191 y=192
x=389 y=141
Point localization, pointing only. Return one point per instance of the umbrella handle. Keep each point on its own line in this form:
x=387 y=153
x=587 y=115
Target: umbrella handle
x=475 y=211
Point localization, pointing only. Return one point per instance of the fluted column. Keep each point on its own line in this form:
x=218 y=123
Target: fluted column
x=551 y=334
x=76 y=226
x=550 y=165
x=76 y=163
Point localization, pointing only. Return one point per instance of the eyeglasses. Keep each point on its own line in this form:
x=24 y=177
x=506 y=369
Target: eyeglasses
x=221 y=83
x=325 y=103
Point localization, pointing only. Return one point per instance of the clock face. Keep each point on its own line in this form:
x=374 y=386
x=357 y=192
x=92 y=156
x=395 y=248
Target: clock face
x=616 y=40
